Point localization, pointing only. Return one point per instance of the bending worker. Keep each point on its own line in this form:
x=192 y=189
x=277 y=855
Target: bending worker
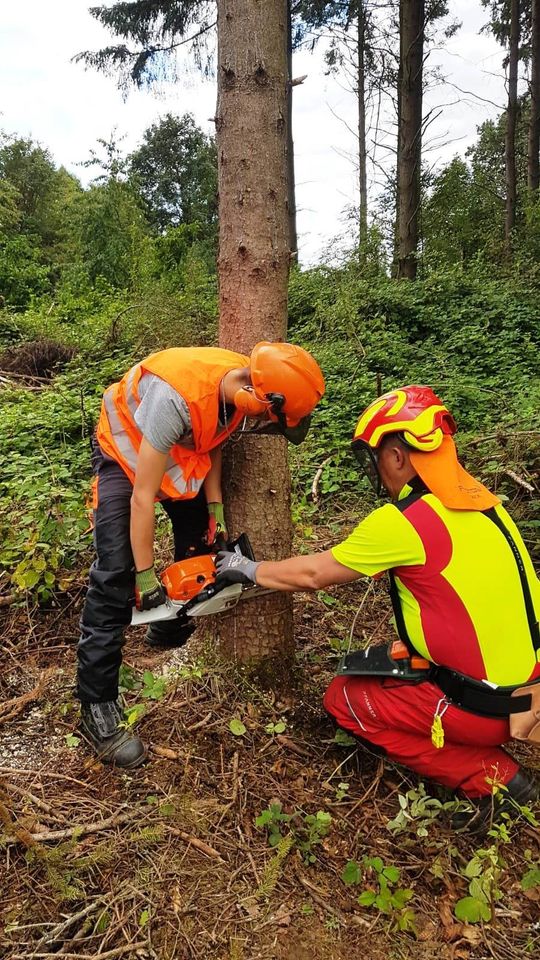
x=465 y=597
x=159 y=437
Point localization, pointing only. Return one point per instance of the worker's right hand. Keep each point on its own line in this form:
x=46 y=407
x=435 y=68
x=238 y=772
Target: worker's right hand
x=235 y=568
x=149 y=591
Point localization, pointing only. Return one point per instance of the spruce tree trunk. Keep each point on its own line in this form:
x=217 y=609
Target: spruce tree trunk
x=362 y=151
x=253 y=267
x=409 y=135
x=291 y=203
x=533 y=152
x=511 y=122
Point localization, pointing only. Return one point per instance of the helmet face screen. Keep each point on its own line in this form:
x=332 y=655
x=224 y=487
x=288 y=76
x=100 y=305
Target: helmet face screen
x=367 y=459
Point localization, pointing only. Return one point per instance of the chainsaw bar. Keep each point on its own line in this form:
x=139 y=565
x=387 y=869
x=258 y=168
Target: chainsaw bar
x=209 y=604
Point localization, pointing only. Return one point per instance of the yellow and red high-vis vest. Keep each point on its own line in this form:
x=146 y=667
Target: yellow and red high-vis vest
x=463 y=605
x=195 y=373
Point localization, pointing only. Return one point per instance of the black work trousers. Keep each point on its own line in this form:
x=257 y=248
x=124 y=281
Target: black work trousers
x=111 y=592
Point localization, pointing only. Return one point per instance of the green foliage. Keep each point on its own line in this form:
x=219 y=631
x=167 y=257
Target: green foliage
x=483 y=873
x=383 y=893
x=308 y=830
x=274 y=868
x=417 y=813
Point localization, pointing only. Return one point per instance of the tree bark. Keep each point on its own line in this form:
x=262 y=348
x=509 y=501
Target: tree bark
x=253 y=266
x=411 y=59
x=362 y=152
x=533 y=152
x=511 y=123
x=291 y=184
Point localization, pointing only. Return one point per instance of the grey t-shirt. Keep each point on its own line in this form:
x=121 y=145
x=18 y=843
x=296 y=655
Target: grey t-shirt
x=162 y=415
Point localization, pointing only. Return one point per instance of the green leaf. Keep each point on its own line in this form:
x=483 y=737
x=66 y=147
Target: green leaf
x=531 y=879
x=392 y=874
x=72 y=740
x=344 y=739
x=351 y=873
x=280 y=726
x=236 y=727
x=144 y=918
x=471 y=910
x=367 y=898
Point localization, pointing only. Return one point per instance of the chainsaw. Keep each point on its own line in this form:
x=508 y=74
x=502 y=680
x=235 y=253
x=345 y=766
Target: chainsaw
x=192 y=591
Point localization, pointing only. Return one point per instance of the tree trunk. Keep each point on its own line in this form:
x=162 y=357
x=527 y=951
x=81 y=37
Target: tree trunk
x=409 y=134
x=511 y=122
x=362 y=152
x=253 y=267
x=291 y=185
x=533 y=153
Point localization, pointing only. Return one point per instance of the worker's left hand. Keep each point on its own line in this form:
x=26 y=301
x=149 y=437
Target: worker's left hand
x=216 y=524
x=234 y=568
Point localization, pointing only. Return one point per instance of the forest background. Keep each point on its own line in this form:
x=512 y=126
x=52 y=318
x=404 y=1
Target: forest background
x=96 y=274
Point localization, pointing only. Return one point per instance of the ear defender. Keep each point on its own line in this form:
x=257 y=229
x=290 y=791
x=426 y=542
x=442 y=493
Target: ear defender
x=248 y=403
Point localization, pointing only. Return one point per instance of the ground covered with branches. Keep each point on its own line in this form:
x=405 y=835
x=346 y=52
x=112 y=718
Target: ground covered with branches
x=252 y=832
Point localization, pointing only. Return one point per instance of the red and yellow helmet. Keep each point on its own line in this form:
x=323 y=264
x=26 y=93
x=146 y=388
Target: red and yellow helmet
x=289 y=380
x=415 y=413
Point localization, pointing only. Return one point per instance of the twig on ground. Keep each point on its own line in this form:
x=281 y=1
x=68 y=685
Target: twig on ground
x=82 y=829
x=291 y=745
x=52 y=935
x=316 y=480
x=116 y=952
x=519 y=480
x=195 y=842
x=11 y=708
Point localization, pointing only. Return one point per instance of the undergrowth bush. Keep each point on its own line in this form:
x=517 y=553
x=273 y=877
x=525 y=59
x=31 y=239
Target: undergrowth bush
x=474 y=338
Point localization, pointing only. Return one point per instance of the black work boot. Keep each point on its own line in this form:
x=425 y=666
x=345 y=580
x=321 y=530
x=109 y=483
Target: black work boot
x=102 y=725
x=520 y=792
x=168 y=634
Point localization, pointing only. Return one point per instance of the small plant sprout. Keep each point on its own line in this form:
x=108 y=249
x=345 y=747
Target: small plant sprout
x=274 y=728
x=417 y=812
x=272 y=819
x=342 y=791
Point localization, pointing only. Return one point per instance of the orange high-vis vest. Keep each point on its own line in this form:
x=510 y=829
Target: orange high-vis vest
x=195 y=373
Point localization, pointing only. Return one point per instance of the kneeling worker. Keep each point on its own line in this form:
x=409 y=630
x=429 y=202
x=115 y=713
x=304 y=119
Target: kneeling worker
x=159 y=437
x=465 y=596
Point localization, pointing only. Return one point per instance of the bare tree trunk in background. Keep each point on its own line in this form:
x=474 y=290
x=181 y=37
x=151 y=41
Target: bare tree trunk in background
x=533 y=152
x=293 y=236
x=362 y=152
x=253 y=267
x=511 y=122
x=409 y=135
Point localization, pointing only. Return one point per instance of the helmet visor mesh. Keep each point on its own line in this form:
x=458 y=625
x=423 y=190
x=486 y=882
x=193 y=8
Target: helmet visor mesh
x=367 y=459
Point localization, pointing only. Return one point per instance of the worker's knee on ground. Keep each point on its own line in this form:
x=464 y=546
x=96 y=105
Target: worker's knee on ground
x=334 y=698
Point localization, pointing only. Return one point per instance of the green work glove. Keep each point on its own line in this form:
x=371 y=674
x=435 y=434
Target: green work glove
x=149 y=591
x=216 y=523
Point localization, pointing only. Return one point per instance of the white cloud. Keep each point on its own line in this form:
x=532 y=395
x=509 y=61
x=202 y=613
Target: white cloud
x=66 y=108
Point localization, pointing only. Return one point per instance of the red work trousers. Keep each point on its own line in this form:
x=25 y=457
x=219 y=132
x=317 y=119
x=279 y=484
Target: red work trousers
x=398 y=717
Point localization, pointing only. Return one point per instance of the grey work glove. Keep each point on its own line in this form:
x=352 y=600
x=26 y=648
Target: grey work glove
x=235 y=568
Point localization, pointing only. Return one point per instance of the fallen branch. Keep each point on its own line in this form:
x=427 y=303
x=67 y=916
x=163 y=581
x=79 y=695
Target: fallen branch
x=107 y=955
x=195 y=842
x=82 y=829
x=316 y=479
x=519 y=480
x=291 y=745
x=12 y=708
x=53 y=935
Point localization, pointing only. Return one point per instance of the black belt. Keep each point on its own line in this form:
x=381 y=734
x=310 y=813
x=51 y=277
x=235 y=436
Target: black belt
x=475 y=696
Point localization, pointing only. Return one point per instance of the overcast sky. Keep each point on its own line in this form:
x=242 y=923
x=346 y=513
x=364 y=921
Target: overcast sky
x=66 y=108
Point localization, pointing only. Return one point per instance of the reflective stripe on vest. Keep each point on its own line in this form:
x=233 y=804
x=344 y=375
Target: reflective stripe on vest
x=464 y=606
x=129 y=453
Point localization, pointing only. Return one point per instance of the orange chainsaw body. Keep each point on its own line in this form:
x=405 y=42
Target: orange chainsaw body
x=186 y=578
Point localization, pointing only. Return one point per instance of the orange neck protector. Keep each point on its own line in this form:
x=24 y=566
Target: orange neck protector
x=444 y=476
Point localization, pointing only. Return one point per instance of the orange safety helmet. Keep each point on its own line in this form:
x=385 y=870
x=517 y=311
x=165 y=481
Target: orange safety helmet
x=415 y=413
x=286 y=381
